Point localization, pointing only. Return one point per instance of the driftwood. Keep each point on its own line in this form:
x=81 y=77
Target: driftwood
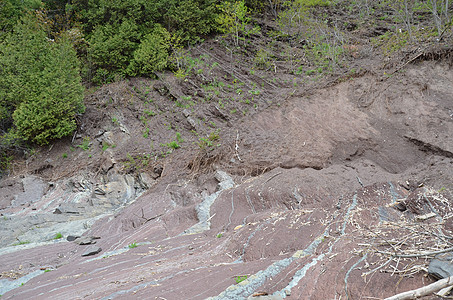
x=424 y=291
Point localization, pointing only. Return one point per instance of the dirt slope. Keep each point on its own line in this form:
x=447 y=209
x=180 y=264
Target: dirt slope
x=309 y=194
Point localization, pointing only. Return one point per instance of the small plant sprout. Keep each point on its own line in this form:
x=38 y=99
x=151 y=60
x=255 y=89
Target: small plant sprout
x=240 y=278
x=58 y=236
x=173 y=145
x=179 y=138
x=132 y=245
x=85 y=144
x=219 y=235
x=21 y=243
x=150 y=113
x=146 y=133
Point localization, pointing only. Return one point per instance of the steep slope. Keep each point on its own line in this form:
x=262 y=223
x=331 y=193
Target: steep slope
x=317 y=195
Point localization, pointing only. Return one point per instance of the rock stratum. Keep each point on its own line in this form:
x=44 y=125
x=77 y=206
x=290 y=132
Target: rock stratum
x=341 y=193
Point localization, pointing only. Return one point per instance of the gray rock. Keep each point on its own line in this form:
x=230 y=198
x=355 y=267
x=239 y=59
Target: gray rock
x=71 y=238
x=86 y=240
x=441 y=266
x=186 y=112
x=70 y=208
x=92 y=250
x=33 y=189
x=192 y=122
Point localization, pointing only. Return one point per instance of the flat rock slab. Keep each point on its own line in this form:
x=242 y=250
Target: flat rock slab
x=92 y=250
x=441 y=266
x=86 y=240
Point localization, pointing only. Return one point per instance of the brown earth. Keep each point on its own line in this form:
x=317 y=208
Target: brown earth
x=312 y=189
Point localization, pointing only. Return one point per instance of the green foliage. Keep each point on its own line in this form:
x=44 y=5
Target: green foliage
x=21 y=243
x=179 y=138
x=173 y=145
x=190 y=19
x=132 y=245
x=58 y=236
x=152 y=53
x=208 y=142
x=146 y=133
x=86 y=142
x=112 y=47
x=262 y=59
x=105 y=146
x=138 y=162
x=40 y=86
x=5 y=161
x=12 y=10
x=126 y=39
x=240 y=279
x=234 y=19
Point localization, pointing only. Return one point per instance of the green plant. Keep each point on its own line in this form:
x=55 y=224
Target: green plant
x=65 y=155
x=262 y=59
x=146 y=133
x=234 y=19
x=180 y=74
x=21 y=243
x=240 y=278
x=173 y=145
x=41 y=91
x=149 y=113
x=114 y=120
x=58 y=236
x=106 y=145
x=152 y=53
x=137 y=162
x=86 y=142
x=206 y=142
x=132 y=245
x=219 y=235
x=179 y=138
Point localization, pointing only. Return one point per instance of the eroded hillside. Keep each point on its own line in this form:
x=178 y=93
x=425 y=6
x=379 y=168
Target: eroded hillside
x=243 y=178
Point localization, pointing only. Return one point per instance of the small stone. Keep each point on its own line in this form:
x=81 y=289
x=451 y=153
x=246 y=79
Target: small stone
x=92 y=250
x=85 y=240
x=186 y=112
x=71 y=238
x=99 y=191
x=441 y=266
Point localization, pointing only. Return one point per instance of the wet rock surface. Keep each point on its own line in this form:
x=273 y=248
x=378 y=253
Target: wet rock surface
x=337 y=194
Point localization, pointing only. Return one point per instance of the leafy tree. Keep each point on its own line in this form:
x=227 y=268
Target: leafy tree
x=190 y=19
x=152 y=54
x=233 y=19
x=112 y=48
x=12 y=10
x=120 y=32
x=40 y=85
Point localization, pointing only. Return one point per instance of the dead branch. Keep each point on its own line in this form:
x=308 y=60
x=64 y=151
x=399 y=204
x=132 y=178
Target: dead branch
x=421 y=254
x=424 y=291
